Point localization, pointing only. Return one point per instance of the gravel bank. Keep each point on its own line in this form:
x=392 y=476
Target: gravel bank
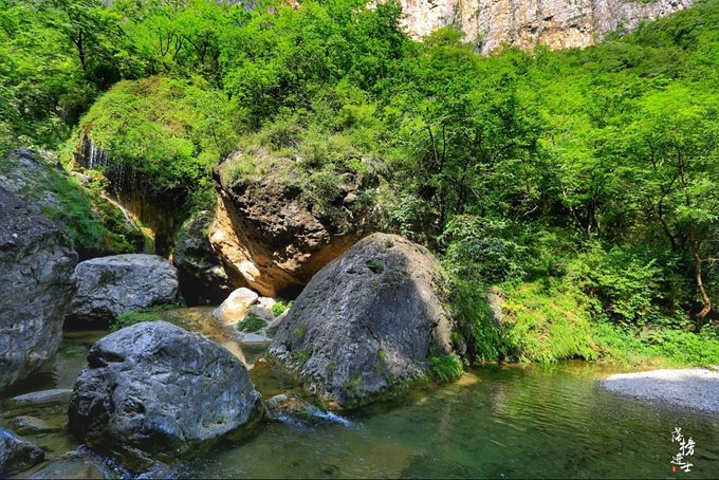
x=694 y=388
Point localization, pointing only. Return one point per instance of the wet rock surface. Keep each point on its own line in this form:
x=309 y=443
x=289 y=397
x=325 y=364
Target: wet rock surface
x=17 y=454
x=366 y=323
x=43 y=397
x=36 y=263
x=77 y=464
x=154 y=390
x=109 y=286
x=29 y=424
x=299 y=412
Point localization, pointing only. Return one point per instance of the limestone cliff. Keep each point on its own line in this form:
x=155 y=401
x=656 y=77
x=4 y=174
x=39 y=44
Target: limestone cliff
x=525 y=23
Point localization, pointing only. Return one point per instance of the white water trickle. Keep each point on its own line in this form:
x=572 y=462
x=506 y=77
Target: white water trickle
x=124 y=211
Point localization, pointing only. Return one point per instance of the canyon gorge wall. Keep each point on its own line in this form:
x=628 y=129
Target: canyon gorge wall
x=526 y=23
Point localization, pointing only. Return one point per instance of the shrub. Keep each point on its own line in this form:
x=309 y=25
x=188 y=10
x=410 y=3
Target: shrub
x=281 y=306
x=251 y=324
x=446 y=368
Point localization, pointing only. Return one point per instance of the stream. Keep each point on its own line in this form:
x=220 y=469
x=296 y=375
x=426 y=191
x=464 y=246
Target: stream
x=495 y=422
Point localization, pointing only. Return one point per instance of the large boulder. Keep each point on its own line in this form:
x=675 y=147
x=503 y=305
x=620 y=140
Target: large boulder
x=270 y=237
x=36 y=264
x=202 y=276
x=109 y=286
x=156 y=390
x=367 y=323
x=16 y=453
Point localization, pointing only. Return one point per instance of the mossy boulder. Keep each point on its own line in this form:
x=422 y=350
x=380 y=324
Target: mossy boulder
x=271 y=234
x=369 y=324
x=94 y=224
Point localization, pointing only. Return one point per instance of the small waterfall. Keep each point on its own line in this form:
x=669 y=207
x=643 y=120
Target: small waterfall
x=155 y=216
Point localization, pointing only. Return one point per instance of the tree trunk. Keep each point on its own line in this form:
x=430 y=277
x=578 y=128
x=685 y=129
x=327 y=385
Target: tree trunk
x=701 y=316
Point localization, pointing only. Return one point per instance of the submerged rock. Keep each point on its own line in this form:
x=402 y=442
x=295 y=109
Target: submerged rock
x=30 y=424
x=16 y=453
x=156 y=390
x=367 y=323
x=36 y=263
x=109 y=286
x=270 y=237
x=297 y=411
x=78 y=464
x=44 y=397
x=202 y=276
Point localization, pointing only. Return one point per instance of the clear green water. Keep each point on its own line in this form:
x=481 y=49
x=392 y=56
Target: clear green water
x=497 y=423
x=509 y=422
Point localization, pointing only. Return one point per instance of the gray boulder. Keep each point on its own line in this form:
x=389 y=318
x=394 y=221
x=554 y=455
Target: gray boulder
x=202 y=276
x=17 y=454
x=36 y=264
x=154 y=390
x=367 y=323
x=109 y=286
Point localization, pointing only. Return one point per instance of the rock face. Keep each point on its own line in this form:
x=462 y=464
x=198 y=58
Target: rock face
x=36 y=264
x=526 y=23
x=366 y=323
x=270 y=238
x=38 y=178
x=202 y=276
x=154 y=389
x=17 y=454
x=109 y=286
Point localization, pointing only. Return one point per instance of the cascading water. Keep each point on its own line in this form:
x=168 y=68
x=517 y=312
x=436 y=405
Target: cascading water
x=129 y=194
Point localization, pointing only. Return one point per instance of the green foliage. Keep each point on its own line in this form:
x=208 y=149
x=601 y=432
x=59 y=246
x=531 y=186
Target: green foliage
x=150 y=314
x=446 y=368
x=480 y=249
x=301 y=355
x=171 y=132
x=584 y=182
x=251 y=324
x=281 y=306
x=474 y=322
x=670 y=347
x=353 y=386
x=132 y=317
x=547 y=321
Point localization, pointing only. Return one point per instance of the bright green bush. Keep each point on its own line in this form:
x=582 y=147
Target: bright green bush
x=547 y=321
x=170 y=131
x=281 y=306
